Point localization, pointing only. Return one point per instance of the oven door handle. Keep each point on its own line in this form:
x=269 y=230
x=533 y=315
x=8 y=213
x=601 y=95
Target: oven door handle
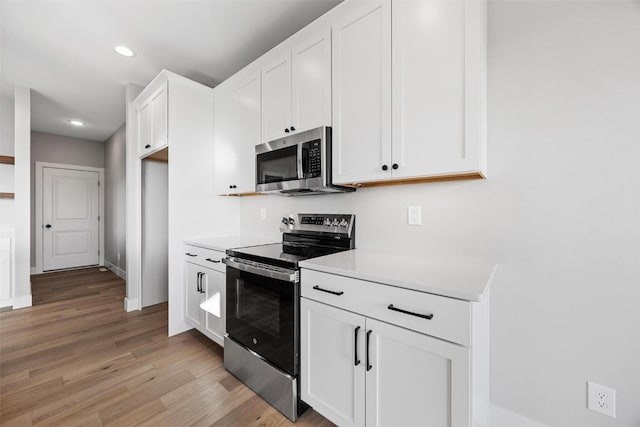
x=280 y=274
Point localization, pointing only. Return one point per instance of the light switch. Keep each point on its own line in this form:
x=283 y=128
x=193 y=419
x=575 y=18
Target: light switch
x=414 y=215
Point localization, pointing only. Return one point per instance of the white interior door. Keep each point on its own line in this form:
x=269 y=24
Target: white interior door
x=70 y=218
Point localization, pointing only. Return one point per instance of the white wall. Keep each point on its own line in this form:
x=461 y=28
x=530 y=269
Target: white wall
x=50 y=148
x=560 y=212
x=22 y=205
x=115 y=201
x=155 y=232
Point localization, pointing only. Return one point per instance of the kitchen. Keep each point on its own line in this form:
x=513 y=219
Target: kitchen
x=554 y=212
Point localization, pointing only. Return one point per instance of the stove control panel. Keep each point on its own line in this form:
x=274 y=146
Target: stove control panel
x=327 y=223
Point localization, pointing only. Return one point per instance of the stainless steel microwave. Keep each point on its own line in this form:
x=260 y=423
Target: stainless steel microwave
x=297 y=165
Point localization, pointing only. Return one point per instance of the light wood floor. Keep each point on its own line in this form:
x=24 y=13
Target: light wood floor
x=77 y=358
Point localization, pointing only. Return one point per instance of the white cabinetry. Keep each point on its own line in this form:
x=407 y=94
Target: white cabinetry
x=6 y=270
x=236 y=133
x=296 y=87
x=368 y=356
x=425 y=62
x=152 y=121
x=361 y=91
x=205 y=281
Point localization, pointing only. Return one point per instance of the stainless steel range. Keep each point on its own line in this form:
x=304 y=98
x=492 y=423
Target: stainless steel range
x=262 y=346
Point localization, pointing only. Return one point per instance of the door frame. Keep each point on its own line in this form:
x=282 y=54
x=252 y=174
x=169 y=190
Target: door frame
x=38 y=241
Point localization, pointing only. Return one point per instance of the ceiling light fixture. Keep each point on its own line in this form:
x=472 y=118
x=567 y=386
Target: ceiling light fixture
x=124 y=51
x=76 y=122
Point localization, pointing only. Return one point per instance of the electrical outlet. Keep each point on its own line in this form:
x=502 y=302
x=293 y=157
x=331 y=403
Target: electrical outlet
x=263 y=213
x=414 y=215
x=601 y=399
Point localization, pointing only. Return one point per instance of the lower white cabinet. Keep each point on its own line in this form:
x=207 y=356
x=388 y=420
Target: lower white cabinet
x=361 y=371
x=205 y=283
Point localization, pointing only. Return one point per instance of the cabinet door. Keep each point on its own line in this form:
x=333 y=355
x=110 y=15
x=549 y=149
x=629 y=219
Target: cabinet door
x=214 y=285
x=332 y=382
x=247 y=126
x=225 y=147
x=159 y=105
x=311 y=82
x=438 y=80
x=415 y=379
x=362 y=92
x=276 y=98
x=145 y=131
x=193 y=297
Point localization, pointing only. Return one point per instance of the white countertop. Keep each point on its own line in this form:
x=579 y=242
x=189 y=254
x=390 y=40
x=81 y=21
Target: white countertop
x=228 y=242
x=466 y=279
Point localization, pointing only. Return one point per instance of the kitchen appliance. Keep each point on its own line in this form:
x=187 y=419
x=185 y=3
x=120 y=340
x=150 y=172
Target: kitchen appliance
x=297 y=165
x=262 y=345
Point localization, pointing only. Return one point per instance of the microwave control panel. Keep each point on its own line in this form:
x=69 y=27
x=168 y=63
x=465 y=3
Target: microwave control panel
x=313 y=154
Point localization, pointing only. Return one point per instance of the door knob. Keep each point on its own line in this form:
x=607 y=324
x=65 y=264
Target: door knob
x=48 y=226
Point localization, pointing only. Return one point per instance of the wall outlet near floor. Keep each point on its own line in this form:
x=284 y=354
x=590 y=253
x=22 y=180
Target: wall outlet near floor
x=414 y=215
x=601 y=399
x=263 y=213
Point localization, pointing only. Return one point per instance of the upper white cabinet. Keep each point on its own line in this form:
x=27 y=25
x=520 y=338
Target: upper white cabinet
x=362 y=92
x=408 y=90
x=296 y=87
x=236 y=133
x=438 y=68
x=152 y=121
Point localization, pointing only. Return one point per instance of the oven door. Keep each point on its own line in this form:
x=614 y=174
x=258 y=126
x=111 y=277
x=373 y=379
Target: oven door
x=263 y=312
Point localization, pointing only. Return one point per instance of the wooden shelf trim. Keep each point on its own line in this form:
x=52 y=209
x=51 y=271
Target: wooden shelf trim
x=7 y=195
x=9 y=160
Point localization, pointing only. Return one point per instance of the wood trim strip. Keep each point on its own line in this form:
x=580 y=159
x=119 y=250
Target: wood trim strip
x=7 y=195
x=475 y=175
x=8 y=160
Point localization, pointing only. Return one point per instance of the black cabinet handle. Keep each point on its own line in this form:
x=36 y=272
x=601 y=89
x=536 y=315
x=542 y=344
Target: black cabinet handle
x=318 y=288
x=286 y=130
x=190 y=254
x=292 y=128
x=47 y=226
x=385 y=167
x=356 y=361
x=147 y=146
x=368 y=360
x=395 y=166
x=410 y=313
x=233 y=186
x=213 y=260
x=198 y=283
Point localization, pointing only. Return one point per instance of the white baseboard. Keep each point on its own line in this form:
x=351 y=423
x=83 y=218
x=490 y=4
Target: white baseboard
x=501 y=417
x=130 y=304
x=21 y=302
x=33 y=270
x=117 y=270
x=6 y=303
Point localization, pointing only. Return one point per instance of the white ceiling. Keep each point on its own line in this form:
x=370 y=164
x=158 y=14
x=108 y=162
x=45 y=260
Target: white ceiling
x=63 y=50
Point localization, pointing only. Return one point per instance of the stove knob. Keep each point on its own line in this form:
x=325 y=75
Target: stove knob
x=285 y=220
x=336 y=221
x=292 y=221
x=344 y=222
x=327 y=222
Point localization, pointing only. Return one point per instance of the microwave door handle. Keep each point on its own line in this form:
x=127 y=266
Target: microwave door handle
x=300 y=169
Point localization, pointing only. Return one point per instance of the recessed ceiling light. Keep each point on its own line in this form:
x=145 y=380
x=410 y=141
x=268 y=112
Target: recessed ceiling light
x=124 y=51
x=77 y=122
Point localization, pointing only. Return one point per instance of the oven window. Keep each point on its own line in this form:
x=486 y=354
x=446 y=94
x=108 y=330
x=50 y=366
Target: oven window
x=278 y=165
x=259 y=308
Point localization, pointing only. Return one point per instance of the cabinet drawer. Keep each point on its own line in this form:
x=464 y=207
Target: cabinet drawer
x=205 y=257
x=451 y=317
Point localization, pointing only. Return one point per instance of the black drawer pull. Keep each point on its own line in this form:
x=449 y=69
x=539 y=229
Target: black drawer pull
x=190 y=254
x=212 y=260
x=318 y=288
x=356 y=361
x=410 y=313
x=368 y=360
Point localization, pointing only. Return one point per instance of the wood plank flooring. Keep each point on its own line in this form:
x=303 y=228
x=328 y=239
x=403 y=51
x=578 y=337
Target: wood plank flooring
x=77 y=358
